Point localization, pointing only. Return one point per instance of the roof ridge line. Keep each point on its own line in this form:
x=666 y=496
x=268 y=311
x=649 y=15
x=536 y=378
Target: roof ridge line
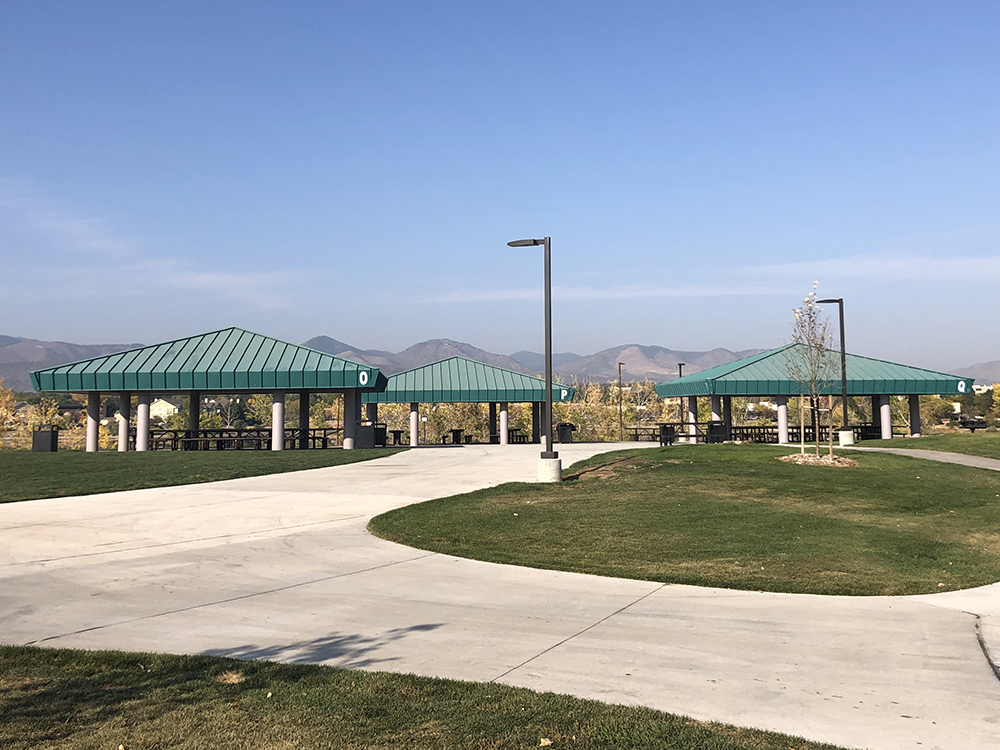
x=476 y=362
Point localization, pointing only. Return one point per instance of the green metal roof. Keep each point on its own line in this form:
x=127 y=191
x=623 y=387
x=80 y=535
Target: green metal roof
x=461 y=380
x=228 y=360
x=766 y=374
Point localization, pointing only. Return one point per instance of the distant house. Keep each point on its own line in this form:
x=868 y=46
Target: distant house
x=70 y=408
x=162 y=408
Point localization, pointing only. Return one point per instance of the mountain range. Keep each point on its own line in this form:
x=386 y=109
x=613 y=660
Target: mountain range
x=985 y=373
x=638 y=362
x=20 y=356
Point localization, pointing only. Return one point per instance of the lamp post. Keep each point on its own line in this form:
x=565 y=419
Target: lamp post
x=621 y=422
x=680 y=399
x=547 y=454
x=843 y=354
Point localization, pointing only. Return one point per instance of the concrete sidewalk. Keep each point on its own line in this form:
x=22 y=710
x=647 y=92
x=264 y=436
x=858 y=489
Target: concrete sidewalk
x=281 y=567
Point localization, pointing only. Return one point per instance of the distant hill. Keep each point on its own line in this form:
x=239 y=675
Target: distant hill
x=20 y=356
x=640 y=362
x=417 y=355
x=535 y=362
x=985 y=373
x=645 y=362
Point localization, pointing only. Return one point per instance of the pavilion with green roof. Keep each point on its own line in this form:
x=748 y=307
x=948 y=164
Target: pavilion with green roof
x=230 y=361
x=464 y=381
x=766 y=374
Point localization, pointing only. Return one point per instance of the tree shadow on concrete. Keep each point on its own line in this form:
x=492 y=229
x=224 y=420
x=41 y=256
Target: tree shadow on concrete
x=346 y=650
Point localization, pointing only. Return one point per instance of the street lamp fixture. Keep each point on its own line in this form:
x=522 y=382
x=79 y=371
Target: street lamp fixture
x=839 y=301
x=547 y=453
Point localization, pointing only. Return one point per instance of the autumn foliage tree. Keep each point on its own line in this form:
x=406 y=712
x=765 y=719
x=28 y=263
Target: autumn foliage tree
x=811 y=362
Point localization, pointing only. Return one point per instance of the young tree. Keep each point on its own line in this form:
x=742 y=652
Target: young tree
x=811 y=362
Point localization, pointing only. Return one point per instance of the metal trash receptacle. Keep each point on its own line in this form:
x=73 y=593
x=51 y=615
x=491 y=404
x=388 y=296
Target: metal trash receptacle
x=667 y=434
x=370 y=435
x=564 y=430
x=45 y=439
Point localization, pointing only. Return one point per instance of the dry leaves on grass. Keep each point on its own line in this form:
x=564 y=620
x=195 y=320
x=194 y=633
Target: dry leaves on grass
x=811 y=459
x=229 y=677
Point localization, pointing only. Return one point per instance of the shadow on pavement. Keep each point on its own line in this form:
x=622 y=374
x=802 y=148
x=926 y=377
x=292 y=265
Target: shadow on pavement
x=350 y=651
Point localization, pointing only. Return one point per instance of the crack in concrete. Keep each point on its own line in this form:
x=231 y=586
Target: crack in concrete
x=230 y=599
x=579 y=633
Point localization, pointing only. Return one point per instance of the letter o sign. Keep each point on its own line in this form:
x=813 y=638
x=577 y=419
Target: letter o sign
x=961 y=386
x=363 y=377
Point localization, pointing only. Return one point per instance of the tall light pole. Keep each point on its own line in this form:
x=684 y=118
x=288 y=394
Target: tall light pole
x=621 y=422
x=548 y=453
x=680 y=399
x=843 y=353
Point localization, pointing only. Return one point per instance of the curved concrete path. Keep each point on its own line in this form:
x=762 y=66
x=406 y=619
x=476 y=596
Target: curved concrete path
x=281 y=567
x=983 y=601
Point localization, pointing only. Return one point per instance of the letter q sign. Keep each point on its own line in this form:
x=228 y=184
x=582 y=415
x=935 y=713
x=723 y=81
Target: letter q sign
x=961 y=386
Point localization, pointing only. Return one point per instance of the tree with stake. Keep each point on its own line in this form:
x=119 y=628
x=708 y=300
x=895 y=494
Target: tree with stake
x=810 y=362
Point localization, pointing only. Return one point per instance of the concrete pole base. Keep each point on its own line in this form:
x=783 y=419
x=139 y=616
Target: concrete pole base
x=550 y=470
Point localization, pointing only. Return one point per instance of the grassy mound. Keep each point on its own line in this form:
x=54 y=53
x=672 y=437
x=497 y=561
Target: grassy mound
x=734 y=517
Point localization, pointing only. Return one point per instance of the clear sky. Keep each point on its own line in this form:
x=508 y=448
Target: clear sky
x=355 y=169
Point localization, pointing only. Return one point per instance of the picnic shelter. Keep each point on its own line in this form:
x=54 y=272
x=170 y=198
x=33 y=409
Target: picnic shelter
x=228 y=361
x=464 y=381
x=767 y=375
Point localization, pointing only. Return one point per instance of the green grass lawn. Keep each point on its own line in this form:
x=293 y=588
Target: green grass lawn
x=986 y=444
x=101 y=700
x=735 y=517
x=28 y=476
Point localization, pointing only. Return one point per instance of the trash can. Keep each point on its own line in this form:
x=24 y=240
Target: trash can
x=845 y=437
x=45 y=439
x=370 y=435
x=666 y=434
x=565 y=432
x=716 y=432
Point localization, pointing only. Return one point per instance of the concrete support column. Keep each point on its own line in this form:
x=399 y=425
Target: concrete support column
x=194 y=420
x=352 y=415
x=692 y=418
x=782 y=420
x=371 y=412
x=915 y=416
x=93 y=420
x=727 y=415
x=124 y=416
x=414 y=425
x=885 y=417
x=142 y=421
x=504 y=421
x=194 y=411
x=536 y=422
x=278 y=421
x=494 y=429
x=303 y=420
x=716 y=408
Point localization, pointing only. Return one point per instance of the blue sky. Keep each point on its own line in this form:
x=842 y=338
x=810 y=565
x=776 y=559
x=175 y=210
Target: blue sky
x=356 y=169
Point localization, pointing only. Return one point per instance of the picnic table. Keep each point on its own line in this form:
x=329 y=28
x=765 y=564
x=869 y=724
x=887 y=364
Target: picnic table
x=455 y=434
x=644 y=433
x=397 y=437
